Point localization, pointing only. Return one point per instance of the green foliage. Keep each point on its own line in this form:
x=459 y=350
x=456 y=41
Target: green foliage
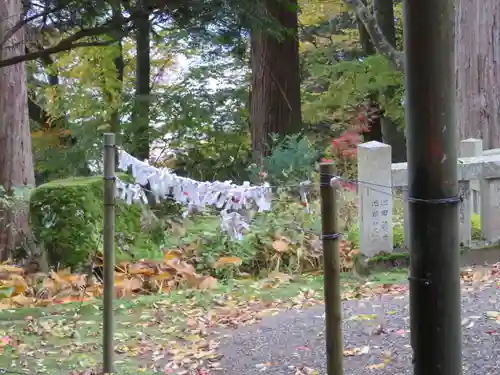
x=67 y=220
x=66 y=217
x=206 y=118
x=200 y=114
x=398 y=24
x=476 y=227
x=224 y=156
x=316 y=12
x=292 y=160
x=398 y=235
x=346 y=85
x=203 y=243
x=391 y=257
x=338 y=79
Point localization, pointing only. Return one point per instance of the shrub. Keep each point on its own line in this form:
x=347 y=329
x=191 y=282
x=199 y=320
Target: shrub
x=293 y=160
x=476 y=227
x=67 y=219
x=343 y=150
x=203 y=243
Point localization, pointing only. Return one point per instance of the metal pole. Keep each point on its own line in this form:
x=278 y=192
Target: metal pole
x=331 y=264
x=433 y=186
x=109 y=249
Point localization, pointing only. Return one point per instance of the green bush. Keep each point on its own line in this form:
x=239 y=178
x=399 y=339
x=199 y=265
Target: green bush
x=476 y=227
x=293 y=160
x=67 y=219
x=398 y=235
x=203 y=242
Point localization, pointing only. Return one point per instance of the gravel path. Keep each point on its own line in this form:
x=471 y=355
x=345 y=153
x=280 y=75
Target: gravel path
x=281 y=344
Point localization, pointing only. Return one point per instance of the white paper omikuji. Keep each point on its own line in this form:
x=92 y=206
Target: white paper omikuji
x=130 y=192
x=233 y=223
x=225 y=196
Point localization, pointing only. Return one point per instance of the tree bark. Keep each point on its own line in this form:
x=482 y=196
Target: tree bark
x=364 y=38
x=275 y=97
x=140 y=117
x=16 y=158
x=380 y=42
x=395 y=137
x=477 y=60
x=478 y=70
x=375 y=132
x=120 y=68
x=119 y=63
x=392 y=134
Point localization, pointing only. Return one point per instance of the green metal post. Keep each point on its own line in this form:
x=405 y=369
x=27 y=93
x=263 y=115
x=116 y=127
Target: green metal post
x=109 y=250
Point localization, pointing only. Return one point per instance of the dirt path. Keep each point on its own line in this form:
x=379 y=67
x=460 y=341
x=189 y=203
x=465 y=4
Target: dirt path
x=283 y=344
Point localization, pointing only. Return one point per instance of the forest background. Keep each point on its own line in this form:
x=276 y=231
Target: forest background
x=214 y=90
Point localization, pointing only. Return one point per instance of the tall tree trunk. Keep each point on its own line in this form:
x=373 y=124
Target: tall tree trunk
x=478 y=70
x=16 y=159
x=140 y=119
x=364 y=39
x=392 y=134
x=375 y=133
x=275 y=97
x=120 y=69
x=384 y=15
x=114 y=117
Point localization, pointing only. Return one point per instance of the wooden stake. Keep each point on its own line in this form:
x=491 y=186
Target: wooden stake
x=331 y=264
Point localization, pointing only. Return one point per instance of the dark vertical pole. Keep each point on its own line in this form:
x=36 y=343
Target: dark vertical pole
x=109 y=250
x=433 y=186
x=331 y=264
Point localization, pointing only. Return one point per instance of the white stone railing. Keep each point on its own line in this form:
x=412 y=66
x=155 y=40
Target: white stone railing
x=479 y=181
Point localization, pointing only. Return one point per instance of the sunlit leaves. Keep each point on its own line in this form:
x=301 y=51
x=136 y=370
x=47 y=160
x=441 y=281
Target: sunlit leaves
x=314 y=12
x=335 y=89
x=337 y=78
x=91 y=84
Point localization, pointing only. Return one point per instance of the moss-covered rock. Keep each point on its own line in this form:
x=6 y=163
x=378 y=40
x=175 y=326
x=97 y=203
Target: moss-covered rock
x=67 y=219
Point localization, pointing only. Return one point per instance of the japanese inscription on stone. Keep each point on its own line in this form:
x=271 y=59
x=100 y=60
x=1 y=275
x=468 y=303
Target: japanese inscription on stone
x=379 y=225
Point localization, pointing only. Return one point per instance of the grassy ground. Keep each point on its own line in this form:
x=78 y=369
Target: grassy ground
x=153 y=332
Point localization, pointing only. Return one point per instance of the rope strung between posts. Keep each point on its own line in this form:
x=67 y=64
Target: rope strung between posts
x=334 y=181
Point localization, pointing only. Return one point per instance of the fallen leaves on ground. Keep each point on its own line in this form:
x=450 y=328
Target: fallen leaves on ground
x=493 y=316
x=18 y=288
x=306 y=371
x=356 y=351
x=347 y=254
x=471 y=275
x=176 y=342
x=369 y=290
